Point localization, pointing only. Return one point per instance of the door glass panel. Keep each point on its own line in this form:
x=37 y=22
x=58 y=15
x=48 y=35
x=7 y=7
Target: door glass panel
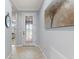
x=29 y=27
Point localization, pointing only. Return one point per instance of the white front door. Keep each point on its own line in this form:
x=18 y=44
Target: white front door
x=28 y=28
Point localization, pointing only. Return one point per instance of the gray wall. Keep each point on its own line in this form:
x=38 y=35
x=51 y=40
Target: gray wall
x=8 y=8
x=57 y=43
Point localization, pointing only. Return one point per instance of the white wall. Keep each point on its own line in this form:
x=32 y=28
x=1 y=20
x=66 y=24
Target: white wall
x=57 y=43
x=8 y=8
x=21 y=25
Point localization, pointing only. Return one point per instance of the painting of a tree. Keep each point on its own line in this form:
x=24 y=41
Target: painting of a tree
x=61 y=14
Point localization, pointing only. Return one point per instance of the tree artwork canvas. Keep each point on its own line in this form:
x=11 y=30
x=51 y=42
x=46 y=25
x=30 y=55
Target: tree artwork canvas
x=60 y=14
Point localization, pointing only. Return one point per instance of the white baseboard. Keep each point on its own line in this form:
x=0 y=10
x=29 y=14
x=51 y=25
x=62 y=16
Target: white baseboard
x=57 y=53
x=54 y=54
x=41 y=50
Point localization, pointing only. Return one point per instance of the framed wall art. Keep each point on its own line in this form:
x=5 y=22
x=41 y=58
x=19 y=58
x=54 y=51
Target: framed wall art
x=59 y=14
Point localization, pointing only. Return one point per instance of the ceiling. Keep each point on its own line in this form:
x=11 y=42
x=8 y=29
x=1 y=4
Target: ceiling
x=28 y=5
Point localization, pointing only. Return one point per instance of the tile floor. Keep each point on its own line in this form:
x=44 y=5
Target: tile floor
x=27 y=52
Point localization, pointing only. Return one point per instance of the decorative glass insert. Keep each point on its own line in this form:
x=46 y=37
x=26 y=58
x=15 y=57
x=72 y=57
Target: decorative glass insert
x=28 y=28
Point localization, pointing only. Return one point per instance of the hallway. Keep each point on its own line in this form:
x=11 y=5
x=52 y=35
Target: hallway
x=48 y=24
x=27 y=52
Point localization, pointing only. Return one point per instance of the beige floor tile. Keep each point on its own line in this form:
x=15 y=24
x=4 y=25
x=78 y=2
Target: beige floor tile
x=27 y=52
